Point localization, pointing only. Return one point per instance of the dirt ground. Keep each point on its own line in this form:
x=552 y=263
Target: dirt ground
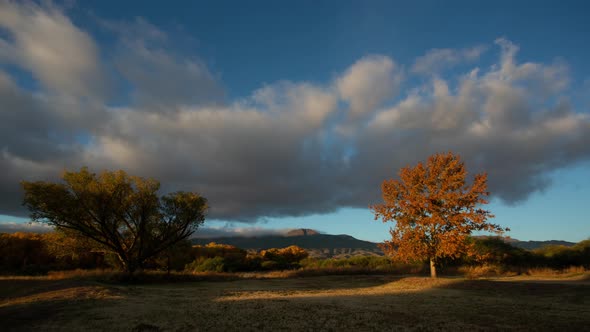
x=327 y=303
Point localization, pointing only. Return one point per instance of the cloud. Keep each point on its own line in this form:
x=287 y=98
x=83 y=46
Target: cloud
x=496 y=122
x=438 y=59
x=282 y=151
x=46 y=43
x=369 y=82
x=161 y=79
x=14 y=227
x=217 y=232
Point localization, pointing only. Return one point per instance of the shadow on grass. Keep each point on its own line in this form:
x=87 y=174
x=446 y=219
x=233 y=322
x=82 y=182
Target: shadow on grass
x=422 y=304
x=359 y=302
x=27 y=302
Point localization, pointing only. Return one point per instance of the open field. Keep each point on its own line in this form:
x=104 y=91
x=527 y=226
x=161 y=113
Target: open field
x=356 y=303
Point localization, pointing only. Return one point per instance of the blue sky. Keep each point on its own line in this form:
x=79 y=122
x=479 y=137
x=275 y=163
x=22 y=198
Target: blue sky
x=289 y=115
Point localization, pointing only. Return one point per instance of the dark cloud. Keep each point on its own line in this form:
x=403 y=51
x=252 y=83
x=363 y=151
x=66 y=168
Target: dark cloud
x=291 y=148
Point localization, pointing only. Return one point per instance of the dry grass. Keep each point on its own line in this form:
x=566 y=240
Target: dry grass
x=486 y=271
x=272 y=302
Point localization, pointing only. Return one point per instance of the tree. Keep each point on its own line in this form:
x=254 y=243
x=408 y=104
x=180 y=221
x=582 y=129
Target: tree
x=434 y=210
x=122 y=213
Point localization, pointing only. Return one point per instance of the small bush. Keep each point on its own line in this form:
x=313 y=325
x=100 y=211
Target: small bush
x=358 y=265
x=215 y=264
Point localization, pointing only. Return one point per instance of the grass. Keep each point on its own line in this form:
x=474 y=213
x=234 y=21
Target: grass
x=482 y=271
x=82 y=300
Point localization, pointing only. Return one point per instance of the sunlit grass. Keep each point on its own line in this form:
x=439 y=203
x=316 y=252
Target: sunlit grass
x=403 y=285
x=279 y=301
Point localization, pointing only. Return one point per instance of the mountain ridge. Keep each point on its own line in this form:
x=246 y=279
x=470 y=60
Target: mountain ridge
x=332 y=245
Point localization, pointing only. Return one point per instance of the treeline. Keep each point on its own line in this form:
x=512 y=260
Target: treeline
x=495 y=251
x=30 y=253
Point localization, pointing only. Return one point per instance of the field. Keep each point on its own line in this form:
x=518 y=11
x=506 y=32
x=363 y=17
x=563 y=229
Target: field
x=328 y=303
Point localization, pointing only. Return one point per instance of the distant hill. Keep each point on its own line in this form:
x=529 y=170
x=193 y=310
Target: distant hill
x=302 y=232
x=531 y=245
x=334 y=246
x=317 y=244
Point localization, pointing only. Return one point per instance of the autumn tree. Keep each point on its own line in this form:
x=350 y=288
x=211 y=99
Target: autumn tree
x=434 y=210
x=122 y=213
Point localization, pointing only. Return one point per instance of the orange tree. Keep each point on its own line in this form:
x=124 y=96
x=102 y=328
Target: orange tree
x=434 y=210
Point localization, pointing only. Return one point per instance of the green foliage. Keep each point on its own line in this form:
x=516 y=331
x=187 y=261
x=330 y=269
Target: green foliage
x=558 y=256
x=203 y=264
x=282 y=259
x=365 y=262
x=121 y=213
x=496 y=251
x=233 y=259
x=218 y=258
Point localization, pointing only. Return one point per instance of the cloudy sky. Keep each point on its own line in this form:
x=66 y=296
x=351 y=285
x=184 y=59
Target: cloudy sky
x=289 y=116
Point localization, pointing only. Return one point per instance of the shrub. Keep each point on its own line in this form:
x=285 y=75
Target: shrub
x=360 y=264
x=215 y=264
x=225 y=258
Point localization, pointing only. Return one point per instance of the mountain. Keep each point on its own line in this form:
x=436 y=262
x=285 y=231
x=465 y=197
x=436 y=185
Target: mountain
x=531 y=245
x=302 y=232
x=317 y=244
x=333 y=246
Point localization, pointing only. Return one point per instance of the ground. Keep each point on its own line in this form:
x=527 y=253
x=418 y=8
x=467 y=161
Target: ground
x=324 y=303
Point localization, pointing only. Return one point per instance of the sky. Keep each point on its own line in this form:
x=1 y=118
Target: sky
x=290 y=115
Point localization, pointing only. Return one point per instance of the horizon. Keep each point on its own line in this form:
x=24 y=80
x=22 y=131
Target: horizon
x=289 y=116
x=221 y=233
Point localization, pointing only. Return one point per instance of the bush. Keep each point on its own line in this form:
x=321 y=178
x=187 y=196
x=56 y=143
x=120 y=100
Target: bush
x=215 y=264
x=496 y=251
x=219 y=258
x=361 y=264
x=285 y=258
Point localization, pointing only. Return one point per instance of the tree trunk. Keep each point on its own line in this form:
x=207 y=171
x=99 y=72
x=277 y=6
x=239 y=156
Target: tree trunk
x=168 y=266
x=127 y=265
x=432 y=268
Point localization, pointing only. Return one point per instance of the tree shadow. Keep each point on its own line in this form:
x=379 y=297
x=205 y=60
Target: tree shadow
x=350 y=302
x=454 y=305
x=29 y=301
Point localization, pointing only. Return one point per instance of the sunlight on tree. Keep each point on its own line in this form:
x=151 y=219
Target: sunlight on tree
x=434 y=210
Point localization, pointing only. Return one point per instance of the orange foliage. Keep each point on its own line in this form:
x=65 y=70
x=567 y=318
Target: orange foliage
x=434 y=210
x=291 y=254
x=217 y=250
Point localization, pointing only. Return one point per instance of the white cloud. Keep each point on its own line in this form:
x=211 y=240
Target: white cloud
x=368 y=83
x=438 y=59
x=45 y=42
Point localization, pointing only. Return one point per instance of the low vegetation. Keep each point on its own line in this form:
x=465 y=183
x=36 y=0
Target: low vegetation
x=321 y=303
x=58 y=282
x=38 y=254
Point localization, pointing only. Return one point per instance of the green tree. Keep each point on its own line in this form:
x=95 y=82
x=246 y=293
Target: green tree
x=122 y=213
x=434 y=210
